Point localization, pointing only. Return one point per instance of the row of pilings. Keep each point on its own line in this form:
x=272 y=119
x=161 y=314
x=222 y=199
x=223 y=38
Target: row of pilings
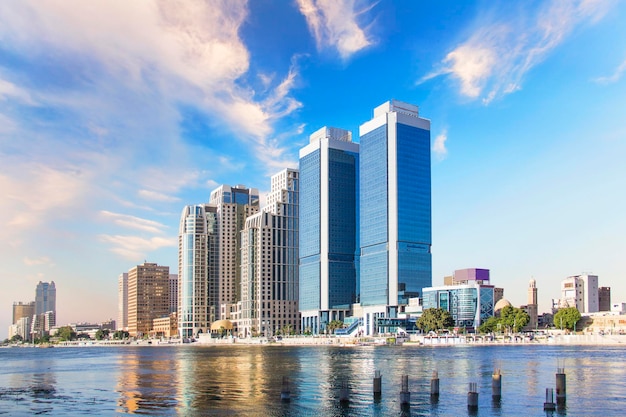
x=472 y=394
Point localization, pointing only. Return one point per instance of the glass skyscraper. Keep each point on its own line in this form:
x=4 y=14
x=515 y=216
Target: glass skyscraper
x=328 y=227
x=395 y=210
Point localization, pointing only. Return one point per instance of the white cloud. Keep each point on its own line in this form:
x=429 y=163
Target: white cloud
x=439 y=145
x=157 y=196
x=133 y=222
x=44 y=260
x=136 y=247
x=9 y=90
x=495 y=59
x=613 y=78
x=333 y=23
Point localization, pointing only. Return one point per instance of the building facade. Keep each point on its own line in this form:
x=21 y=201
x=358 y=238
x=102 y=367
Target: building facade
x=21 y=309
x=395 y=210
x=122 y=302
x=469 y=304
x=148 y=297
x=173 y=284
x=604 y=299
x=233 y=206
x=532 y=308
x=269 y=262
x=580 y=291
x=329 y=167
x=45 y=297
x=198 y=289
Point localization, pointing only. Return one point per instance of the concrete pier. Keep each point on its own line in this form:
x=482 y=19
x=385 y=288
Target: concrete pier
x=378 y=379
x=560 y=386
x=549 y=404
x=285 y=392
x=496 y=386
x=472 y=397
x=434 y=386
x=405 y=395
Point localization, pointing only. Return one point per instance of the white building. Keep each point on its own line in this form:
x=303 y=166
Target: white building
x=269 y=262
x=122 y=302
x=580 y=291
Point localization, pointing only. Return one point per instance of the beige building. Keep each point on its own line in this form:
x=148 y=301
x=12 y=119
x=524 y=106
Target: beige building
x=21 y=310
x=148 y=297
x=165 y=326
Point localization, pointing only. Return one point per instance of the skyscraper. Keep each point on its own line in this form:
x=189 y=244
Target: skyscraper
x=197 y=270
x=148 y=296
x=45 y=297
x=395 y=210
x=329 y=167
x=173 y=293
x=233 y=206
x=269 y=262
x=122 y=302
x=21 y=310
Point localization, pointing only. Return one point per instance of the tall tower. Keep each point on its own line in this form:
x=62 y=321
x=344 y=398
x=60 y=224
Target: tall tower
x=122 y=302
x=395 y=210
x=329 y=176
x=148 y=296
x=233 y=205
x=197 y=270
x=532 y=307
x=45 y=297
x=269 y=262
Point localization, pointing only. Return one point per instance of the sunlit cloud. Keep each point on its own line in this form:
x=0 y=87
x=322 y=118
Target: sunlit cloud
x=439 y=145
x=334 y=24
x=44 y=260
x=157 y=196
x=613 y=78
x=494 y=60
x=136 y=247
x=133 y=222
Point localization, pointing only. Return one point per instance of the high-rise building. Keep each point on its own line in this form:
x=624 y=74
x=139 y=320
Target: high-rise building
x=604 y=299
x=269 y=262
x=329 y=175
x=580 y=291
x=122 y=302
x=395 y=210
x=148 y=296
x=173 y=293
x=21 y=309
x=198 y=289
x=45 y=297
x=233 y=206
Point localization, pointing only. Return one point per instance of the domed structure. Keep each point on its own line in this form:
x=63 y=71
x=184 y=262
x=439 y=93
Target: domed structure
x=217 y=325
x=503 y=302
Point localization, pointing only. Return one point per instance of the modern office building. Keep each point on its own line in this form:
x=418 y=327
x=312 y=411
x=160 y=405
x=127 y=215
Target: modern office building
x=148 y=296
x=395 y=210
x=21 y=309
x=469 y=304
x=45 y=297
x=329 y=175
x=198 y=289
x=580 y=291
x=269 y=262
x=173 y=285
x=122 y=302
x=233 y=206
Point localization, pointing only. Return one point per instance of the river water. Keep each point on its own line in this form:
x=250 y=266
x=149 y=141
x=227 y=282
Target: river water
x=246 y=380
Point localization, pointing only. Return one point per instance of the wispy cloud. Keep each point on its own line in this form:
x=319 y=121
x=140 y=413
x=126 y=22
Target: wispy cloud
x=439 y=145
x=133 y=222
x=495 y=59
x=157 y=196
x=9 y=90
x=136 y=247
x=44 y=260
x=613 y=78
x=335 y=24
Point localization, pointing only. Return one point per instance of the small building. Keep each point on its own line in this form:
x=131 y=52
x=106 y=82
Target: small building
x=165 y=326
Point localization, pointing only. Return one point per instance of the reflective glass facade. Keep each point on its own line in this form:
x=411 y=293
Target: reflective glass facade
x=470 y=305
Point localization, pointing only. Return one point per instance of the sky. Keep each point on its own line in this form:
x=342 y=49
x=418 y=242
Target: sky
x=114 y=115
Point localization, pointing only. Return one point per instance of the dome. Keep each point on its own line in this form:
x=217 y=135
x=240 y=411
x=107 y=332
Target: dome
x=503 y=302
x=226 y=324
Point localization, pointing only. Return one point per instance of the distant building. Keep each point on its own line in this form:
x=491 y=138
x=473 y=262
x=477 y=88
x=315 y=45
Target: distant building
x=469 y=304
x=165 y=326
x=580 y=291
x=21 y=309
x=148 y=296
x=329 y=174
x=122 y=302
x=532 y=307
x=604 y=299
x=173 y=293
x=45 y=297
x=394 y=210
x=269 y=264
x=619 y=308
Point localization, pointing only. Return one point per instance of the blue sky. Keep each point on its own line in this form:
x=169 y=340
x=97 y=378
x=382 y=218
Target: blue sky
x=114 y=115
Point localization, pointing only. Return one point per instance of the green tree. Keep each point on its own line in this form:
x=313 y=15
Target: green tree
x=566 y=318
x=16 y=338
x=66 y=333
x=334 y=325
x=513 y=318
x=434 y=319
x=490 y=325
x=120 y=334
x=102 y=334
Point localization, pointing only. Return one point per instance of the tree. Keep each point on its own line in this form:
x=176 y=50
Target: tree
x=514 y=318
x=334 y=325
x=120 y=334
x=66 y=333
x=102 y=334
x=434 y=319
x=490 y=325
x=566 y=318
